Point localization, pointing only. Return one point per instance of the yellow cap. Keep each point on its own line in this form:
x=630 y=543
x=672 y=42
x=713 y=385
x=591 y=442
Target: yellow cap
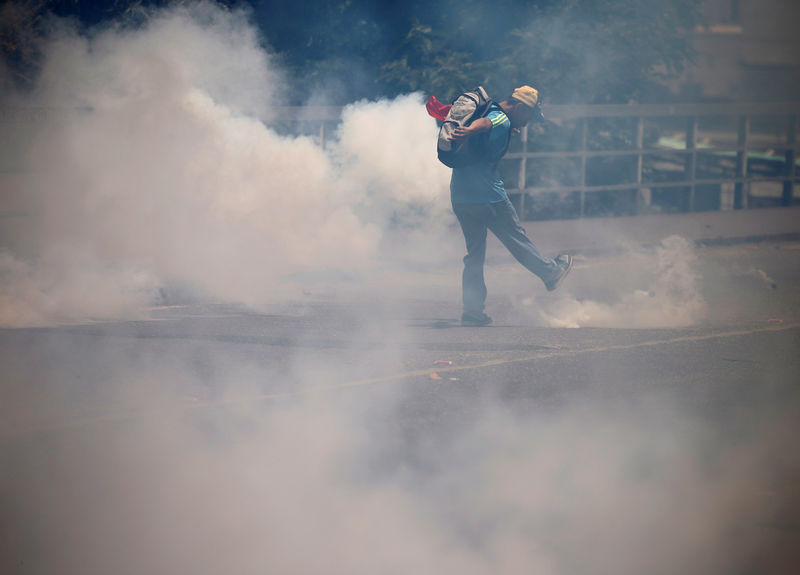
x=527 y=95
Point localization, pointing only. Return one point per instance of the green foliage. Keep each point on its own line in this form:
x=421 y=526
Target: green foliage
x=20 y=30
x=585 y=51
x=427 y=65
x=603 y=51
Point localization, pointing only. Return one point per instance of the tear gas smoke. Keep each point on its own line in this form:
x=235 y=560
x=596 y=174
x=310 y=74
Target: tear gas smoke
x=333 y=483
x=164 y=173
x=663 y=291
x=161 y=172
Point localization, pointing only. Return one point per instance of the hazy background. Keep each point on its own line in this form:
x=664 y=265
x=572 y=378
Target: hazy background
x=157 y=172
x=160 y=177
x=162 y=168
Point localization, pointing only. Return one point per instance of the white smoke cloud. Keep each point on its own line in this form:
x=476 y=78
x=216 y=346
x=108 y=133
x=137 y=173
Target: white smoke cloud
x=383 y=145
x=114 y=461
x=248 y=487
x=194 y=47
x=162 y=166
x=666 y=294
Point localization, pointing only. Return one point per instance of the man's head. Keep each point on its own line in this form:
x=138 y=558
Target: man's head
x=521 y=105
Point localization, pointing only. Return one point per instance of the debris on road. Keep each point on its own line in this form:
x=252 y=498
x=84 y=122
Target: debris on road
x=762 y=275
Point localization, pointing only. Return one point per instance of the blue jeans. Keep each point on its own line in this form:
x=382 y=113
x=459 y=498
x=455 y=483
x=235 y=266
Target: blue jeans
x=501 y=218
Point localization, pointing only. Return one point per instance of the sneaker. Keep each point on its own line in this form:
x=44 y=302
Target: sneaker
x=475 y=319
x=564 y=263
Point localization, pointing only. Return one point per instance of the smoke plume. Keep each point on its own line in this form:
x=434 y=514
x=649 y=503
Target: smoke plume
x=655 y=288
x=201 y=447
x=158 y=167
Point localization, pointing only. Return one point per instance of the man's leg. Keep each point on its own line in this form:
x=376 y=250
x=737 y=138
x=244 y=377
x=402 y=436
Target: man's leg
x=472 y=219
x=505 y=225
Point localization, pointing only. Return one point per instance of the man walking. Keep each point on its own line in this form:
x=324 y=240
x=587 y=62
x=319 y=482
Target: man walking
x=480 y=203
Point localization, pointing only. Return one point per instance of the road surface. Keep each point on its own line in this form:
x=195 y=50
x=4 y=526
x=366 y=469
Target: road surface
x=642 y=441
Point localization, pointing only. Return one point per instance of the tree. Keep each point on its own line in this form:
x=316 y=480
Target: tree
x=426 y=64
x=584 y=51
x=20 y=31
x=573 y=50
x=609 y=51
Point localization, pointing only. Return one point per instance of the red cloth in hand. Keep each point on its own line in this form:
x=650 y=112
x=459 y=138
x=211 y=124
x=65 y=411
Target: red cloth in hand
x=436 y=109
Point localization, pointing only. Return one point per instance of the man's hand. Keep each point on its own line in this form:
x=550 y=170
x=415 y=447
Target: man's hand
x=480 y=125
x=460 y=134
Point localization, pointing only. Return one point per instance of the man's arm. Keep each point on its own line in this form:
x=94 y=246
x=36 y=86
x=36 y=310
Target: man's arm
x=477 y=127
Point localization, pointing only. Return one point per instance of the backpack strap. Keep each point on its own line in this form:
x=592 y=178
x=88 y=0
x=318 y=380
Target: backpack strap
x=482 y=100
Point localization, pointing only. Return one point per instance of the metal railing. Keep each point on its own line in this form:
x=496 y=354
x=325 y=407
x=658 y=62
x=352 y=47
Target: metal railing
x=683 y=157
x=712 y=156
x=731 y=140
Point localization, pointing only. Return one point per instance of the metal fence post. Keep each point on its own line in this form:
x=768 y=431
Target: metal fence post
x=788 y=183
x=639 y=146
x=521 y=182
x=691 y=160
x=739 y=195
x=584 y=136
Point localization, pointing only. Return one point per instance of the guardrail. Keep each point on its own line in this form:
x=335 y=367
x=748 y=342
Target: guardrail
x=634 y=159
x=679 y=150
x=623 y=159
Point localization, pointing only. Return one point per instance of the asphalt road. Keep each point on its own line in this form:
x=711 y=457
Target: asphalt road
x=699 y=414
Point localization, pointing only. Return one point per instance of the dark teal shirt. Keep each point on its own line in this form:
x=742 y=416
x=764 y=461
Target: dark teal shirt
x=480 y=183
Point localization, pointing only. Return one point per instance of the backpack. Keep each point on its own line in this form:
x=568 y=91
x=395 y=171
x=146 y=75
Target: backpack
x=467 y=108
